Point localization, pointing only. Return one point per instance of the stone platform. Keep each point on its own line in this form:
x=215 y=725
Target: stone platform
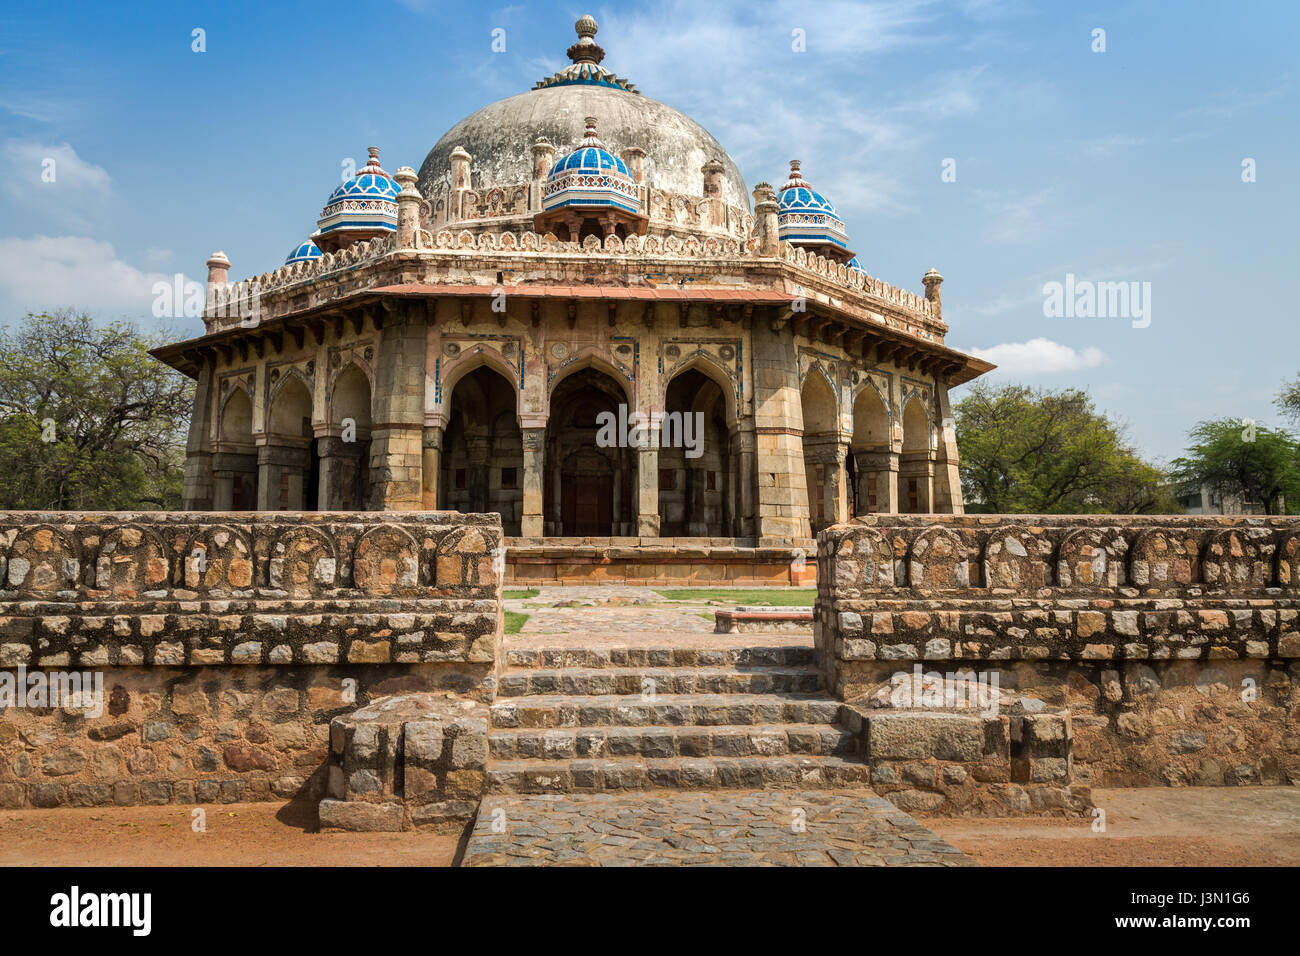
x=727 y=828
x=734 y=562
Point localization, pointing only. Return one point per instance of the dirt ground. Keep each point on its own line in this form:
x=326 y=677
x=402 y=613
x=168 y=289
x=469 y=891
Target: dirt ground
x=1201 y=826
x=237 y=834
x=1192 y=826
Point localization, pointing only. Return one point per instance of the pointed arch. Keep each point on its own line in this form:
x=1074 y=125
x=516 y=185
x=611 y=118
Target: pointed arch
x=592 y=358
x=452 y=372
x=917 y=424
x=289 y=401
x=708 y=366
x=351 y=396
x=235 y=423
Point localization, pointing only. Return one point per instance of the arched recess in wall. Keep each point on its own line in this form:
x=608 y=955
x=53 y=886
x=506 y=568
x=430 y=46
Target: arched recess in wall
x=234 y=464
x=697 y=478
x=590 y=481
x=345 y=452
x=288 y=466
x=820 y=438
x=483 y=460
x=869 y=452
x=916 y=463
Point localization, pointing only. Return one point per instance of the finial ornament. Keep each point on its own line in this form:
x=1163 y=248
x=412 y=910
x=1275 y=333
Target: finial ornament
x=796 y=177
x=586 y=50
x=589 y=137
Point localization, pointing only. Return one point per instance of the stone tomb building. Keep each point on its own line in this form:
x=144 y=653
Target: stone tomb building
x=450 y=340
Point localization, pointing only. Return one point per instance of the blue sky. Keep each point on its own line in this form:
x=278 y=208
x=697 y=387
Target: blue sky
x=1123 y=165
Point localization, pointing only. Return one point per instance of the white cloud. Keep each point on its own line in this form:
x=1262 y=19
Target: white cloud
x=57 y=184
x=48 y=272
x=1038 y=357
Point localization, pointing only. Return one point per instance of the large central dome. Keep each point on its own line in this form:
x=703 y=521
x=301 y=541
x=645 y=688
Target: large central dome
x=499 y=137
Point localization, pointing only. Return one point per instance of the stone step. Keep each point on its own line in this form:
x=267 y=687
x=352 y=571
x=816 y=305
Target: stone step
x=678 y=710
x=658 y=681
x=660 y=742
x=781 y=655
x=638 y=773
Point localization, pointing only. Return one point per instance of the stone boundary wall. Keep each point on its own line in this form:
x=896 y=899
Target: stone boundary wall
x=1172 y=643
x=226 y=642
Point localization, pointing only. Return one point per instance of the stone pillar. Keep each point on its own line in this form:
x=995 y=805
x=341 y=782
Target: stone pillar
x=408 y=208
x=647 y=481
x=743 y=448
x=431 y=462
x=397 y=435
x=947 y=479
x=534 y=441
x=765 y=221
x=197 y=491
x=556 y=525
x=778 y=429
x=837 y=501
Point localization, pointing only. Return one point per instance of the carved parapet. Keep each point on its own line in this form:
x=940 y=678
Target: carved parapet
x=1116 y=556
x=201 y=589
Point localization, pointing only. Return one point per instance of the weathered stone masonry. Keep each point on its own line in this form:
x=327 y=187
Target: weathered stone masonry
x=227 y=643
x=1151 y=650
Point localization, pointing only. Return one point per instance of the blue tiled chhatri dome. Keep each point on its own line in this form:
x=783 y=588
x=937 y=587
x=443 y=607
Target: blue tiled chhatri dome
x=305 y=251
x=367 y=202
x=590 y=176
x=806 y=217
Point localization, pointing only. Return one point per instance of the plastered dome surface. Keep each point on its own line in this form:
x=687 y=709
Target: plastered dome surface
x=499 y=137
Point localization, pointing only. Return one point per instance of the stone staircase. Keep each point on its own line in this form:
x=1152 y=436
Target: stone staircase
x=632 y=718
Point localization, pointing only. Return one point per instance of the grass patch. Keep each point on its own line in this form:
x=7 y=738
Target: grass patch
x=801 y=597
x=520 y=595
x=514 y=621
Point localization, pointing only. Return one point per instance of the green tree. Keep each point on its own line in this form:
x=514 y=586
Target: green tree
x=1260 y=464
x=1288 y=400
x=88 y=419
x=1043 y=452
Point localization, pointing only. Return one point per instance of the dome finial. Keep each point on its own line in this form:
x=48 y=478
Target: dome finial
x=586 y=50
x=589 y=136
x=796 y=177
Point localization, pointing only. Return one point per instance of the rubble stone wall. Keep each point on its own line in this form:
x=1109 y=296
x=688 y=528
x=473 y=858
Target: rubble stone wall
x=1172 y=643
x=224 y=643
